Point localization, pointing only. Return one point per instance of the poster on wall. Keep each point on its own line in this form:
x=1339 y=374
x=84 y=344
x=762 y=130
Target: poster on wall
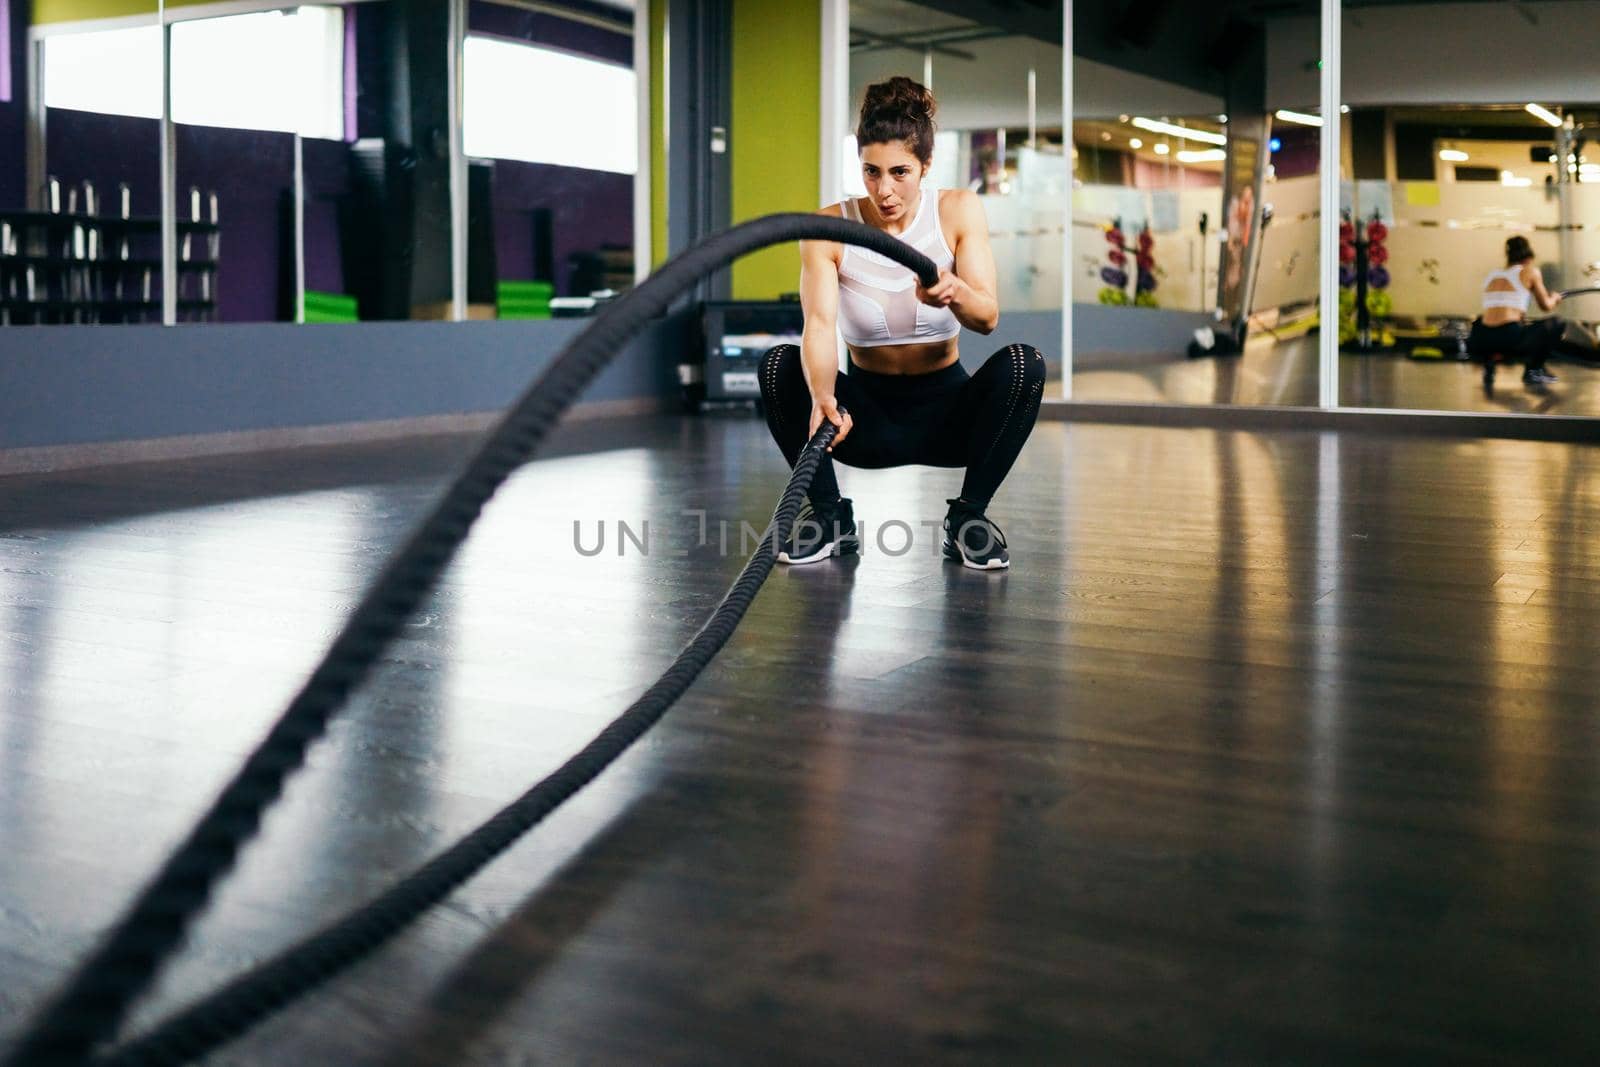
x=1241 y=216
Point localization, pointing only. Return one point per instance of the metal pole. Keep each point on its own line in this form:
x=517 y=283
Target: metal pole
x=835 y=97
x=1066 y=207
x=1328 y=260
x=37 y=116
x=169 y=182
x=643 y=202
x=299 y=229
x=458 y=164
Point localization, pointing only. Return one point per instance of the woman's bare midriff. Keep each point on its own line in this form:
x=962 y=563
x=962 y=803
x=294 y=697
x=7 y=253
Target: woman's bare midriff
x=1501 y=316
x=905 y=359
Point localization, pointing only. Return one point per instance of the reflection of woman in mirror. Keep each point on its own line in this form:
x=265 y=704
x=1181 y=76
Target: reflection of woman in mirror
x=1504 y=330
x=906 y=398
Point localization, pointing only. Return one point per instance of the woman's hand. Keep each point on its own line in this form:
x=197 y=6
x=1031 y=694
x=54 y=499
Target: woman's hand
x=943 y=293
x=826 y=407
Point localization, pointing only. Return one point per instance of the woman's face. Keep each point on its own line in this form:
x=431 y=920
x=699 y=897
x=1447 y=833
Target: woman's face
x=893 y=176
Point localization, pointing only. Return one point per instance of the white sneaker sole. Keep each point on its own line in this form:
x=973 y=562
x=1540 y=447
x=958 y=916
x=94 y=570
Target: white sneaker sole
x=966 y=561
x=827 y=551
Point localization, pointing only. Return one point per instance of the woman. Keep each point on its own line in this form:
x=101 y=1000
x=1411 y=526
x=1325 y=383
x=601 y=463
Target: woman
x=1503 y=330
x=906 y=398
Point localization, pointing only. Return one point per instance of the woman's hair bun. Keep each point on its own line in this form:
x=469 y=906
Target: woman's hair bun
x=898 y=109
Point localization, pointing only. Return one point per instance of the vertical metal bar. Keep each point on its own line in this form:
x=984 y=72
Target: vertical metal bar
x=169 y=181
x=458 y=164
x=642 y=197
x=299 y=229
x=38 y=116
x=1066 y=207
x=835 y=98
x=1328 y=259
x=927 y=68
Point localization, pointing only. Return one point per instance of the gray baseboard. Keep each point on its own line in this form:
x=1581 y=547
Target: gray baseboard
x=48 y=458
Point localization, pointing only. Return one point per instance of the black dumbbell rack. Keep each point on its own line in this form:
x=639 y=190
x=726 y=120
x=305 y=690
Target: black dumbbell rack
x=68 y=267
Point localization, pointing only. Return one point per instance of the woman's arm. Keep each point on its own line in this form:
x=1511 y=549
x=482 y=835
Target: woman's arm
x=969 y=292
x=819 y=342
x=1535 y=282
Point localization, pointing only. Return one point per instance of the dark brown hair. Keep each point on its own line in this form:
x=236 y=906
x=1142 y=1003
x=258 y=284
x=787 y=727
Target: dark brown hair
x=898 y=110
x=1518 y=250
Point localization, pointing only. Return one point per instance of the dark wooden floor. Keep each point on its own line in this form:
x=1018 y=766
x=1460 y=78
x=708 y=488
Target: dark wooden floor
x=1269 y=749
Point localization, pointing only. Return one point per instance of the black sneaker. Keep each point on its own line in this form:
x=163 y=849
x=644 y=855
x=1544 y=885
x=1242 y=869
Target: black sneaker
x=820 y=532
x=970 y=537
x=1538 y=376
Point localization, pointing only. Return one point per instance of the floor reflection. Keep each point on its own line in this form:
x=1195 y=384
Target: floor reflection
x=1284 y=373
x=1259 y=727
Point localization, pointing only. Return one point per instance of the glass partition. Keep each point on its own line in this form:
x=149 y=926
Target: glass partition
x=1195 y=207
x=237 y=117
x=550 y=190
x=1444 y=168
x=80 y=232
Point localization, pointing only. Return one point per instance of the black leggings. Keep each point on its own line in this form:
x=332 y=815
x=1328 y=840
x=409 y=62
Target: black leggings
x=1519 y=342
x=943 y=419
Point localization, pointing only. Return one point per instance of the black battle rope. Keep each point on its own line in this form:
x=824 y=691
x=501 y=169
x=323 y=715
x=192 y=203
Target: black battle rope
x=257 y=994
x=90 y=1009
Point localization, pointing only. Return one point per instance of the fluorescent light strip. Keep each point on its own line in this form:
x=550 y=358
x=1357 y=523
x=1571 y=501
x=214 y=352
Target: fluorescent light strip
x=1543 y=113
x=1209 y=155
x=1453 y=155
x=1298 y=117
x=1203 y=136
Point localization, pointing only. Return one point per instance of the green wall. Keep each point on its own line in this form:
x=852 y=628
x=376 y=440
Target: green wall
x=48 y=11
x=774 y=134
x=658 y=132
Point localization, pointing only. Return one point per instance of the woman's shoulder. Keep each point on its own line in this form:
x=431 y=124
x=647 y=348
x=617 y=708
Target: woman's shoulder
x=960 y=204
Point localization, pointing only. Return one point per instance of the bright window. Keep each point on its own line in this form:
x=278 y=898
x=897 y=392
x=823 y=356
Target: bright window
x=544 y=106
x=115 y=72
x=277 y=70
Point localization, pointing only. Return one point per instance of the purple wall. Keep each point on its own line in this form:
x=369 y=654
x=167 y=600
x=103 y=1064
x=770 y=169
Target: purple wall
x=252 y=172
x=588 y=209
x=520 y=25
x=13 y=128
x=327 y=176
x=106 y=150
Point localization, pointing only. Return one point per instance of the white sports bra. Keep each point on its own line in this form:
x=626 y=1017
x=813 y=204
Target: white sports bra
x=878 y=302
x=1516 y=298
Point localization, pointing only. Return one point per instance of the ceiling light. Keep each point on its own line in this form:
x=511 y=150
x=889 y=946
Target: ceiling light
x=1209 y=155
x=1134 y=142
x=1543 y=113
x=1453 y=155
x=1300 y=117
x=1180 y=131
x=1162 y=149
